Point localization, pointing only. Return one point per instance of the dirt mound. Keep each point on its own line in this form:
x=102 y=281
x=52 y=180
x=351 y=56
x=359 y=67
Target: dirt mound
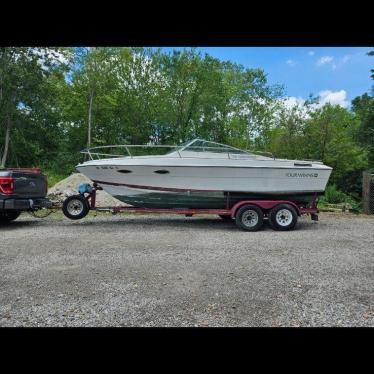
x=69 y=186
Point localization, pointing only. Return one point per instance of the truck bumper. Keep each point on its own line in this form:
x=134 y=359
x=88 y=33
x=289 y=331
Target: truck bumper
x=25 y=204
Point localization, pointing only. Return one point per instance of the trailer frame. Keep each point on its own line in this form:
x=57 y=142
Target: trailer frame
x=266 y=207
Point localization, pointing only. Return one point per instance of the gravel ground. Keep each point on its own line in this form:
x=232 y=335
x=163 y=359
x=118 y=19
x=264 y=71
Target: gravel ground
x=177 y=271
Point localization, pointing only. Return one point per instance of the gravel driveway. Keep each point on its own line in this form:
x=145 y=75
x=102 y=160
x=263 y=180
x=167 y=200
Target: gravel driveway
x=177 y=271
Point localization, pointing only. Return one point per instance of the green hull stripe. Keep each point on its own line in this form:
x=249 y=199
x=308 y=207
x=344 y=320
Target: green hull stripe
x=214 y=200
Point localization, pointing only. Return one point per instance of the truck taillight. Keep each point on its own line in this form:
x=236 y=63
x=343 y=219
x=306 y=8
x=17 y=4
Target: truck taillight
x=6 y=185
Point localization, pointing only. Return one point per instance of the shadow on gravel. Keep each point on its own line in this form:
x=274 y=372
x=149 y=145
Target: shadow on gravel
x=195 y=223
x=199 y=224
x=18 y=224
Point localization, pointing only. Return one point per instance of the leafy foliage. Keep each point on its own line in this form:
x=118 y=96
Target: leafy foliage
x=56 y=101
x=363 y=106
x=371 y=53
x=334 y=196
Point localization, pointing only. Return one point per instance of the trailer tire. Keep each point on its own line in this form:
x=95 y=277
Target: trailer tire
x=75 y=207
x=283 y=217
x=8 y=216
x=249 y=218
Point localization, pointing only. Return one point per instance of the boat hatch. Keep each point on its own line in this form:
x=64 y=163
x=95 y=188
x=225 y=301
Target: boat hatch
x=302 y=164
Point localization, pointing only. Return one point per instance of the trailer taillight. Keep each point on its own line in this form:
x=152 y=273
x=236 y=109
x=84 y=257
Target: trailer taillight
x=6 y=185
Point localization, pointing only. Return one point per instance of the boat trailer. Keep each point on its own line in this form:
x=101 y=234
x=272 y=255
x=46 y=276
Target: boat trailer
x=249 y=215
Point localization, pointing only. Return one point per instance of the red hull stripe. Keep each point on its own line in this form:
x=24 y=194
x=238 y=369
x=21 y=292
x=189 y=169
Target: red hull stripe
x=153 y=188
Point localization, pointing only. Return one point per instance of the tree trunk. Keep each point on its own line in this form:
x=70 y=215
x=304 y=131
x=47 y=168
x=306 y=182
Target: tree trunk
x=90 y=118
x=6 y=145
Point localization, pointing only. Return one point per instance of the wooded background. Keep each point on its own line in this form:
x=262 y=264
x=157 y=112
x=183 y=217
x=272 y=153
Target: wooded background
x=56 y=101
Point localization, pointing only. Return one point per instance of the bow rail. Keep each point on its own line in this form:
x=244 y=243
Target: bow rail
x=99 y=152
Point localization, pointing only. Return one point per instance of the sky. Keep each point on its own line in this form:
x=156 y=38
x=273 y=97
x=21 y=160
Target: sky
x=336 y=74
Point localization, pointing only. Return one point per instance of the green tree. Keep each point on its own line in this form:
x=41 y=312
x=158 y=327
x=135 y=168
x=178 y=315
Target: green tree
x=23 y=72
x=217 y=100
x=363 y=106
x=90 y=85
x=329 y=137
x=52 y=105
x=287 y=136
x=371 y=53
x=139 y=96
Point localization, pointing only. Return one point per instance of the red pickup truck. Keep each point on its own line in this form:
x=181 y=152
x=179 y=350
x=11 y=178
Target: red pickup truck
x=21 y=190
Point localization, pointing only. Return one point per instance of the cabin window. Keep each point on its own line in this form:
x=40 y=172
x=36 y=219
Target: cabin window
x=124 y=171
x=162 y=171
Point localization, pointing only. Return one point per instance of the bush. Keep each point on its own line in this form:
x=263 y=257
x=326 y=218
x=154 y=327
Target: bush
x=334 y=196
x=53 y=177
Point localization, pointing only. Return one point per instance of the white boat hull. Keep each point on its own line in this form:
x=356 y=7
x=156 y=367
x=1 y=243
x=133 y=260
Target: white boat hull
x=189 y=182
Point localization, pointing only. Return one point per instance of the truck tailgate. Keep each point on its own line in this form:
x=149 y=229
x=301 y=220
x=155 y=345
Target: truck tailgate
x=27 y=183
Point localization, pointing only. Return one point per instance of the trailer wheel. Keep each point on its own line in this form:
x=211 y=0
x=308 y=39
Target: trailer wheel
x=8 y=216
x=75 y=207
x=283 y=217
x=249 y=218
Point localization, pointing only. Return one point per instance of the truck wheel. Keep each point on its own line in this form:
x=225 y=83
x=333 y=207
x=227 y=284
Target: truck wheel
x=75 y=207
x=283 y=217
x=249 y=218
x=8 y=216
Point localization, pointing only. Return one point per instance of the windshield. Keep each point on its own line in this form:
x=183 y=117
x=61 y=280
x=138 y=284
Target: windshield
x=200 y=145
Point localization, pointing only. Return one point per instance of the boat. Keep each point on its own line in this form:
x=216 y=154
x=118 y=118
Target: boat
x=201 y=174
